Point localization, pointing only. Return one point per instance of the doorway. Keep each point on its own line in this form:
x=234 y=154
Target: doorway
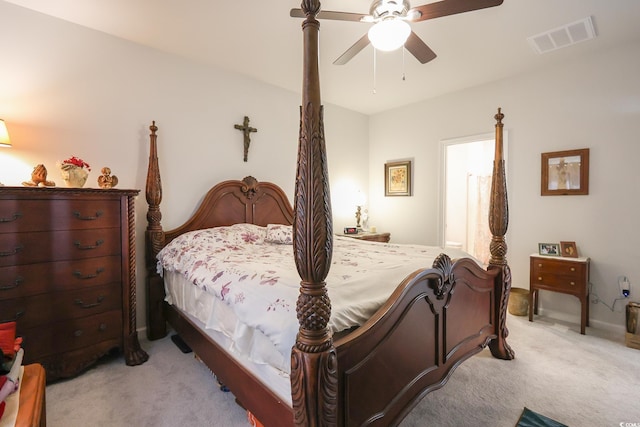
x=467 y=165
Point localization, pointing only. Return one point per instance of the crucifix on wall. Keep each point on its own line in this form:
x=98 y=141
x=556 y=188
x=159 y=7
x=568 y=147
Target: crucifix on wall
x=246 y=131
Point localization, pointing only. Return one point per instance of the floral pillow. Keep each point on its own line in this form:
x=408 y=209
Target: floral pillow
x=279 y=233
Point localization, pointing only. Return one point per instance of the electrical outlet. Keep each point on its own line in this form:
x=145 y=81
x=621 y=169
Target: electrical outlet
x=625 y=286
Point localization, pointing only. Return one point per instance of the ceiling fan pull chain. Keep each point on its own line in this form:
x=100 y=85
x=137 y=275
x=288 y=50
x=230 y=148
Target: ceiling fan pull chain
x=374 y=70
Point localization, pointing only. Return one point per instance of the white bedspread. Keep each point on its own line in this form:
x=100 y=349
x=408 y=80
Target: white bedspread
x=259 y=282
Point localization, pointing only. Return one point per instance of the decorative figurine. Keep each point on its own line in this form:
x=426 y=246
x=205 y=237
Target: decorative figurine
x=106 y=180
x=39 y=178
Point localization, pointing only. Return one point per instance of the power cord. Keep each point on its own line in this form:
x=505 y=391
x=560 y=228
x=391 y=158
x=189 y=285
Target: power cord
x=595 y=299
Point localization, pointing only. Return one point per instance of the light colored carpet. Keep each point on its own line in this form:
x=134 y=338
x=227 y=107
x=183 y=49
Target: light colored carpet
x=579 y=380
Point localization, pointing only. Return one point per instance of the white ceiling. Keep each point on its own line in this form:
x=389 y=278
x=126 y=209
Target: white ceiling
x=259 y=39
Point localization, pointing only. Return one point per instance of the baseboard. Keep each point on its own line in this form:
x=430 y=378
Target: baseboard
x=613 y=328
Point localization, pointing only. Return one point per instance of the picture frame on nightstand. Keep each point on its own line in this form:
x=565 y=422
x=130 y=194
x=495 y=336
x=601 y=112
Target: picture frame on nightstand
x=549 y=249
x=569 y=249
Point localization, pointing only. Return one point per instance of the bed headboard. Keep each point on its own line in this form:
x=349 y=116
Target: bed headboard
x=235 y=202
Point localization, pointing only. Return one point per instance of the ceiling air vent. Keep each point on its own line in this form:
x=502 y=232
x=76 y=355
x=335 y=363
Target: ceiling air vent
x=564 y=36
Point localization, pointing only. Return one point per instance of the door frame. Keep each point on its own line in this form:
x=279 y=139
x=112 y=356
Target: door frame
x=442 y=176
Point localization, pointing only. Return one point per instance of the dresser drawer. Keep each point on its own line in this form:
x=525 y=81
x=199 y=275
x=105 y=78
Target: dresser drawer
x=30 y=312
x=31 y=248
x=72 y=334
x=25 y=280
x=19 y=215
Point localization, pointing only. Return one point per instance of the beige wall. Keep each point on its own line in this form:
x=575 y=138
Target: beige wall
x=66 y=90
x=69 y=91
x=589 y=103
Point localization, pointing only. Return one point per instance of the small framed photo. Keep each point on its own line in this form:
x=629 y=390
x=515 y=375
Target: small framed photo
x=569 y=249
x=565 y=173
x=397 y=178
x=551 y=249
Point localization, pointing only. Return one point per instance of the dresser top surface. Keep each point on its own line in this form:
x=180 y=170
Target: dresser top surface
x=560 y=258
x=37 y=192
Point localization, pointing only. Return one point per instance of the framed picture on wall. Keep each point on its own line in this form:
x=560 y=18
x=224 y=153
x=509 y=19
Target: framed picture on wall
x=569 y=249
x=397 y=178
x=565 y=173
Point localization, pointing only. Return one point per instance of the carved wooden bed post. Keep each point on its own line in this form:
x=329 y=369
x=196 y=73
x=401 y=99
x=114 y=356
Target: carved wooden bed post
x=154 y=240
x=498 y=223
x=314 y=383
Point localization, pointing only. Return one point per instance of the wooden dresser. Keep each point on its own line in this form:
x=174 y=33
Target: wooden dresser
x=559 y=274
x=67 y=275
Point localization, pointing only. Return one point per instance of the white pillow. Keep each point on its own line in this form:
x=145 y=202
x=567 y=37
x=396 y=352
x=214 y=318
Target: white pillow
x=279 y=233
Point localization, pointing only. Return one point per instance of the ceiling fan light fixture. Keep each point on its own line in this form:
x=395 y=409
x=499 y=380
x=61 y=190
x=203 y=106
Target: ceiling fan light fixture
x=389 y=34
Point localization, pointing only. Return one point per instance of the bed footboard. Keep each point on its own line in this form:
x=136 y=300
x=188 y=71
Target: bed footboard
x=436 y=319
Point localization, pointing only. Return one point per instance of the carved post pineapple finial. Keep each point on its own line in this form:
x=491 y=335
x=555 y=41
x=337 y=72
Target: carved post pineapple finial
x=313 y=359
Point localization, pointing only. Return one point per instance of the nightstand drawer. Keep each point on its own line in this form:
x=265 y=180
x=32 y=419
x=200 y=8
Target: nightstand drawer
x=371 y=237
x=563 y=268
x=568 y=283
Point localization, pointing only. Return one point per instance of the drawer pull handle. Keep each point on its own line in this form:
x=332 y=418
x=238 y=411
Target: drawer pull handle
x=81 y=247
x=87 y=218
x=573 y=269
x=13 y=252
x=103 y=327
x=78 y=333
x=572 y=283
x=540 y=265
x=80 y=303
x=15 y=217
x=80 y=276
x=15 y=318
x=13 y=285
x=540 y=278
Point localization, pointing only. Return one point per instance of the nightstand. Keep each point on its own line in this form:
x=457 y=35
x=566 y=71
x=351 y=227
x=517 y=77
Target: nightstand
x=372 y=237
x=560 y=274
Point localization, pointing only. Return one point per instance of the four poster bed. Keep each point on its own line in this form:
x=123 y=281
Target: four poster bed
x=368 y=370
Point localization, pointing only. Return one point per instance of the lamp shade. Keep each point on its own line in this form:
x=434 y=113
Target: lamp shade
x=4 y=135
x=389 y=34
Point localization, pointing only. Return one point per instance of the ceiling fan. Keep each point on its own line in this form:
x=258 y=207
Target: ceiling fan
x=397 y=13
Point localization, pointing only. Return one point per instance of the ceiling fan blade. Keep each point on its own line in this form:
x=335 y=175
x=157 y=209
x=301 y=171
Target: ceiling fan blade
x=419 y=49
x=452 y=7
x=336 y=16
x=353 y=50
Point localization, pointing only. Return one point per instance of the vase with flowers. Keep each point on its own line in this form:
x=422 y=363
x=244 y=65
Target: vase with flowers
x=74 y=172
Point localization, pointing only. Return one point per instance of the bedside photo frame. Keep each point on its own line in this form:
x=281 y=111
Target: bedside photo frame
x=549 y=249
x=565 y=173
x=397 y=178
x=569 y=249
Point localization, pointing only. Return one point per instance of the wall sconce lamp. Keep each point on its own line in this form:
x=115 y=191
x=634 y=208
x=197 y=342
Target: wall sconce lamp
x=4 y=135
